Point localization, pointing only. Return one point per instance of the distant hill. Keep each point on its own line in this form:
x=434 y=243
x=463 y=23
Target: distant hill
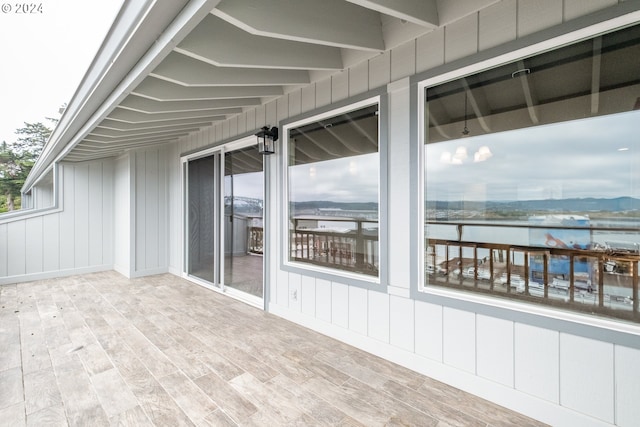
x=583 y=205
x=618 y=204
x=320 y=204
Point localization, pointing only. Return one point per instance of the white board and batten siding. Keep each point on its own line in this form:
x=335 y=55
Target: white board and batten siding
x=554 y=376
x=142 y=212
x=72 y=238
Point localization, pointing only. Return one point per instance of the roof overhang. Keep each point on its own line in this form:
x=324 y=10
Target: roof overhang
x=168 y=68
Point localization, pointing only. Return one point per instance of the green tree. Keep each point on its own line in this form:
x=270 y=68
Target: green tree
x=31 y=139
x=13 y=171
x=17 y=159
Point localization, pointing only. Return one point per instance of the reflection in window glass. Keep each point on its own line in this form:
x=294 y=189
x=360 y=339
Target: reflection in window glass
x=243 y=220
x=333 y=184
x=532 y=188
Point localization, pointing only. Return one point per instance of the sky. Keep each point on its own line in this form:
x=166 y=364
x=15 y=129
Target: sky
x=349 y=179
x=596 y=157
x=45 y=54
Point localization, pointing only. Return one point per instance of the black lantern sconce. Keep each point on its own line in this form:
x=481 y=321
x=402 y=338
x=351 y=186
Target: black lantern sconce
x=267 y=139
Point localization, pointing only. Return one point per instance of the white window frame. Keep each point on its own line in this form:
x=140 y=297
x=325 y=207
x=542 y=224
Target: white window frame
x=549 y=44
x=284 y=239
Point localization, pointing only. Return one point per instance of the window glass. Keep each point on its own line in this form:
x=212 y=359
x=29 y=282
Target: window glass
x=333 y=187
x=243 y=224
x=532 y=189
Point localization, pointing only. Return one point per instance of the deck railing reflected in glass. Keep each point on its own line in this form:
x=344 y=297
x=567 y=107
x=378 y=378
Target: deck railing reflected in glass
x=349 y=244
x=600 y=277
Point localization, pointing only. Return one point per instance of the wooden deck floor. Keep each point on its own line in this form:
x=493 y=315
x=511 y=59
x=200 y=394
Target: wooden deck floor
x=100 y=349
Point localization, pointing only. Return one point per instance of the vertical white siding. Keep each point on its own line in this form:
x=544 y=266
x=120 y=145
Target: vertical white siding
x=339 y=86
x=459 y=339
x=587 y=376
x=324 y=92
x=96 y=207
x=51 y=242
x=359 y=78
x=497 y=24
x=295 y=102
x=380 y=70
x=461 y=38
x=4 y=250
x=430 y=50
x=576 y=8
x=537 y=15
x=340 y=304
x=401 y=326
x=151 y=211
x=74 y=238
x=308 y=98
x=17 y=248
x=308 y=296
x=403 y=61
x=428 y=330
x=81 y=216
x=358 y=310
x=34 y=245
x=537 y=368
x=494 y=341
x=43 y=196
x=295 y=285
x=67 y=219
x=122 y=215
x=627 y=390
x=323 y=300
x=378 y=316
x=175 y=204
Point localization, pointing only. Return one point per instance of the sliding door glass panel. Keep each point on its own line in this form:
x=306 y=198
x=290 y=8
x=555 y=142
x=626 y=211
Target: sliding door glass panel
x=202 y=235
x=243 y=220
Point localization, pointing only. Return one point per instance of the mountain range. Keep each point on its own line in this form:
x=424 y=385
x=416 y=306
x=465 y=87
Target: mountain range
x=590 y=204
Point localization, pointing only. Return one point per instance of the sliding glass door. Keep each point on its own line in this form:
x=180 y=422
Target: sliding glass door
x=202 y=205
x=243 y=209
x=224 y=230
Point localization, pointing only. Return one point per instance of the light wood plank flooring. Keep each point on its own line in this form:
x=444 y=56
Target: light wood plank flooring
x=99 y=350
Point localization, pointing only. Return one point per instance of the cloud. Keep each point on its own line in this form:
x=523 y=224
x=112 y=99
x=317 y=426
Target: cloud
x=351 y=179
x=570 y=159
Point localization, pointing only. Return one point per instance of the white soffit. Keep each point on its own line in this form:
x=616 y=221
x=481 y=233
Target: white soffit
x=234 y=55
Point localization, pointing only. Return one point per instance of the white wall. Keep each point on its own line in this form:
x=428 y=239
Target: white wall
x=122 y=218
x=151 y=211
x=142 y=212
x=561 y=378
x=75 y=237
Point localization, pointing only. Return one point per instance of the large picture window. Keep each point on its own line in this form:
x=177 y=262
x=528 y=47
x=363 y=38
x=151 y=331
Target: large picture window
x=333 y=170
x=532 y=183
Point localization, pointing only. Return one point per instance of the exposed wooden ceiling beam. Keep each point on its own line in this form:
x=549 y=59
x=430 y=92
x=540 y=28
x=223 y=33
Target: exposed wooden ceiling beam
x=115 y=133
x=150 y=106
x=327 y=22
x=124 y=127
x=187 y=71
x=127 y=116
x=140 y=138
x=157 y=89
x=421 y=12
x=220 y=43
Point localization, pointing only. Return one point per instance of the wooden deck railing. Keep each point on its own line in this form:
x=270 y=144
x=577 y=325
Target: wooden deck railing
x=354 y=250
x=598 y=279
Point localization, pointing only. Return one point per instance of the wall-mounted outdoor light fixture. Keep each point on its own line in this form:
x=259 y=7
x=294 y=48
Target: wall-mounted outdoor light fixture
x=266 y=140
